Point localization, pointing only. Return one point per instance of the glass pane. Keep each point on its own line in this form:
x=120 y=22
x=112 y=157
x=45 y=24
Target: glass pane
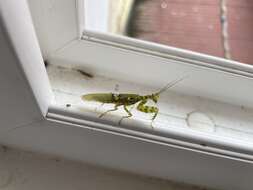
x=222 y=28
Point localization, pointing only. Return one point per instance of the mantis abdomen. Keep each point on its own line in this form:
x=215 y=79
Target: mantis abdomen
x=99 y=97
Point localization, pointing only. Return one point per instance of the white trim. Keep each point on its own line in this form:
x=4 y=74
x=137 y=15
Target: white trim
x=56 y=23
x=207 y=144
x=18 y=25
x=182 y=55
x=96 y=15
x=80 y=16
x=133 y=154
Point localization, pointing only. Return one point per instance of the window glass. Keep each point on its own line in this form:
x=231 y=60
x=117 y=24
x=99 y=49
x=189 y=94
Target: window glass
x=221 y=28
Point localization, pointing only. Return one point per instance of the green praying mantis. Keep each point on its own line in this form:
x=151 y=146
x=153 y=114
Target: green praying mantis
x=126 y=100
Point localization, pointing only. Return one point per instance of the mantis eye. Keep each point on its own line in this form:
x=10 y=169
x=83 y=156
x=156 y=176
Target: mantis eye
x=155 y=98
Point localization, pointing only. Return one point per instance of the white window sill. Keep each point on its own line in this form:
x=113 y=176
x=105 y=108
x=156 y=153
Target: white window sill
x=204 y=124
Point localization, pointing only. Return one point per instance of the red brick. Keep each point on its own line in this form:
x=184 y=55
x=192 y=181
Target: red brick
x=195 y=25
x=240 y=3
x=240 y=30
x=240 y=23
x=190 y=24
x=242 y=51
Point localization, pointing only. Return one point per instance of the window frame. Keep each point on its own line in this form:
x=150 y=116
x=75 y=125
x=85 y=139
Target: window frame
x=130 y=46
x=66 y=136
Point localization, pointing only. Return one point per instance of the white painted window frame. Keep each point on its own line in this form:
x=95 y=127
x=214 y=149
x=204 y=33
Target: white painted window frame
x=68 y=133
x=99 y=21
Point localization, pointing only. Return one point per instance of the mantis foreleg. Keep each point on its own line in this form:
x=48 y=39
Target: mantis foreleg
x=148 y=109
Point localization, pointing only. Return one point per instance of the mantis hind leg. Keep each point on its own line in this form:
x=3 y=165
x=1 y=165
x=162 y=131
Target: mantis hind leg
x=115 y=109
x=129 y=114
x=148 y=109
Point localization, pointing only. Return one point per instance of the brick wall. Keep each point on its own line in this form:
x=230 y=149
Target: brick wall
x=196 y=25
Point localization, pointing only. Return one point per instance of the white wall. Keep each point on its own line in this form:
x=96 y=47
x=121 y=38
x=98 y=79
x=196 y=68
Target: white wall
x=21 y=170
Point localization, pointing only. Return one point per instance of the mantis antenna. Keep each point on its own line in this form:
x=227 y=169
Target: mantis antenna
x=171 y=84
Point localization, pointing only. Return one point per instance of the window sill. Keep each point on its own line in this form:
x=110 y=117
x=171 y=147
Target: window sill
x=193 y=122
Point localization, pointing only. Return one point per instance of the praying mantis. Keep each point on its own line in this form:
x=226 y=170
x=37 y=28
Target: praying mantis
x=125 y=100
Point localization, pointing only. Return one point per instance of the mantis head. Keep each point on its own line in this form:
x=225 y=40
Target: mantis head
x=155 y=97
